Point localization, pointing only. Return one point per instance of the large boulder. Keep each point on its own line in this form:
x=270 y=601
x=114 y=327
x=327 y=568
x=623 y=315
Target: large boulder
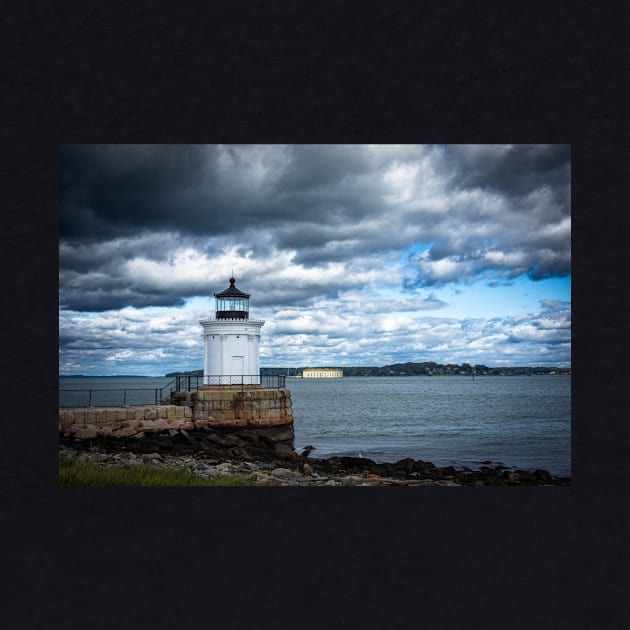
x=542 y=475
x=283 y=449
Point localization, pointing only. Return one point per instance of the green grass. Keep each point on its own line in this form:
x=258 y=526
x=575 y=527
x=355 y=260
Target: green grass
x=90 y=474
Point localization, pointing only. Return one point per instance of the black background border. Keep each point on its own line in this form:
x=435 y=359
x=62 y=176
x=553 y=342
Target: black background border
x=286 y=557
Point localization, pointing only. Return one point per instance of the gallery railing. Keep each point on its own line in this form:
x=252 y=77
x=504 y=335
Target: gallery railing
x=192 y=383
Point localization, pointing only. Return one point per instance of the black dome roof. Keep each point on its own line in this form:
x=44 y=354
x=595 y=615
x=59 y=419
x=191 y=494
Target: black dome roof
x=231 y=291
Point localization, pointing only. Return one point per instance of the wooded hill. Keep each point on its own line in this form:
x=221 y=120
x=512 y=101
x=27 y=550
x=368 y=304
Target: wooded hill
x=411 y=369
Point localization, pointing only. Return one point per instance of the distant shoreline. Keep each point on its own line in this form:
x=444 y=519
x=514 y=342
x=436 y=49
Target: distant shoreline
x=108 y=376
x=427 y=368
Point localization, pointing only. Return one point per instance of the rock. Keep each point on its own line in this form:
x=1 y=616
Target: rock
x=239 y=452
x=233 y=440
x=131 y=424
x=225 y=468
x=520 y=476
x=266 y=441
x=448 y=471
x=282 y=450
x=85 y=434
x=542 y=475
x=282 y=473
x=358 y=464
x=125 y=432
x=152 y=458
x=185 y=437
x=423 y=467
x=249 y=466
x=407 y=464
x=274 y=467
x=215 y=439
x=280 y=434
x=249 y=436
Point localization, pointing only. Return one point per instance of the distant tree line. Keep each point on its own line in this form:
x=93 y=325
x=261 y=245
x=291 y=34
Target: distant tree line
x=428 y=368
x=190 y=373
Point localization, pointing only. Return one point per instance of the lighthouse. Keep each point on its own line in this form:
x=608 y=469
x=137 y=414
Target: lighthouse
x=231 y=341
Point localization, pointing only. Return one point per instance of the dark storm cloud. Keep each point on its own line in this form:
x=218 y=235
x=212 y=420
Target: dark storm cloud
x=106 y=256
x=108 y=191
x=99 y=300
x=318 y=167
x=513 y=170
x=112 y=190
x=487 y=211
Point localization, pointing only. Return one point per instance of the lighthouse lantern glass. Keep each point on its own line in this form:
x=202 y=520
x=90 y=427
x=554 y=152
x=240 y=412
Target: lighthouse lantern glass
x=232 y=304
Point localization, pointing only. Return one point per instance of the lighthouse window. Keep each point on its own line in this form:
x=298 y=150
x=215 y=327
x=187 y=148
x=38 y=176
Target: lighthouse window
x=231 y=304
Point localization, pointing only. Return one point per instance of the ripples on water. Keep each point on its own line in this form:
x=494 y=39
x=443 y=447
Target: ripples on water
x=521 y=421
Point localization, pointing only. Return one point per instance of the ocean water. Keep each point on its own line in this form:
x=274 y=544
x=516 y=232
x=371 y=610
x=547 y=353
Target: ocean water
x=520 y=421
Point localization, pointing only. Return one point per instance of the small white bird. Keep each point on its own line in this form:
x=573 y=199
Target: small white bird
x=360 y=454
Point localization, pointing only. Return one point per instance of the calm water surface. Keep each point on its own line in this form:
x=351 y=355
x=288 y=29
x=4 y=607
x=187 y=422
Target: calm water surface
x=521 y=421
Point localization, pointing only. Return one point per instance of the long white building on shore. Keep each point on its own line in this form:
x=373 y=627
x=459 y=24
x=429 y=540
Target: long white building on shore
x=322 y=373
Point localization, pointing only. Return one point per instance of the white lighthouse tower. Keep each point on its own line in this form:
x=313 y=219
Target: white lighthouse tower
x=231 y=341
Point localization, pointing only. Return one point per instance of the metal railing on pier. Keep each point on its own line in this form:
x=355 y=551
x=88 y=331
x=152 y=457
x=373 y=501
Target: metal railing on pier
x=128 y=397
x=192 y=383
x=131 y=397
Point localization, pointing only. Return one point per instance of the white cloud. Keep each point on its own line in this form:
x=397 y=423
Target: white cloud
x=337 y=244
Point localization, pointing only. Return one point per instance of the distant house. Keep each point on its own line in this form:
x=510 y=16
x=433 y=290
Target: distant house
x=322 y=373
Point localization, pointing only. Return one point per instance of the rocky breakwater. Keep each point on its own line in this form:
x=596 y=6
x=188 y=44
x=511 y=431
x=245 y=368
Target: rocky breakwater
x=258 y=460
x=418 y=472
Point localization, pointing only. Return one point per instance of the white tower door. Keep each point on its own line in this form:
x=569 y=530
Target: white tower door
x=238 y=364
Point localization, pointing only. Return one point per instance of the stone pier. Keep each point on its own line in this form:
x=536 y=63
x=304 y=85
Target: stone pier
x=269 y=412
x=253 y=406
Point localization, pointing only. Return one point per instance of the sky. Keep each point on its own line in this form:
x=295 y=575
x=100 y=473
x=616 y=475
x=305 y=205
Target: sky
x=354 y=255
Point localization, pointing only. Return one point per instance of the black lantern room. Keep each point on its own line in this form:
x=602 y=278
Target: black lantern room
x=232 y=303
